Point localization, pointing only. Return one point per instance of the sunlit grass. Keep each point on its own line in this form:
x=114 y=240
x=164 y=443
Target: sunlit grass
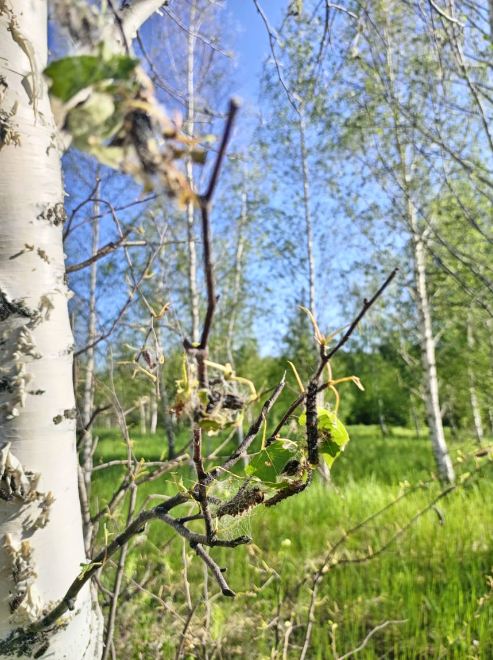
x=432 y=576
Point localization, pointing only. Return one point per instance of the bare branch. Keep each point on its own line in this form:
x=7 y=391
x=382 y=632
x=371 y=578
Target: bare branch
x=202 y=486
x=215 y=570
x=272 y=41
x=104 y=251
x=136 y=13
x=369 y=636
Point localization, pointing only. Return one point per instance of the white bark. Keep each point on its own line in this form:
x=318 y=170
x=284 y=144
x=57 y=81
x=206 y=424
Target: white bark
x=136 y=14
x=168 y=423
x=142 y=411
x=434 y=418
x=37 y=405
x=236 y=292
x=153 y=414
x=308 y=220
x=189 y=126
x=91 y=325
x=89 y=384
x=476 y=411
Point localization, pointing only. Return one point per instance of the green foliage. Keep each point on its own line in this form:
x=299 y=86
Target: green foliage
x=333 y=435
x=70 y=75
x=269 y=464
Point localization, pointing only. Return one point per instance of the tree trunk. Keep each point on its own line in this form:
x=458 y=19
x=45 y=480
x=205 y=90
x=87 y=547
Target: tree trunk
x=308 y=220
x=236 y=294
x=91 y=336
x=415 y=418
x=309 y=244
x=476 y=411
x=37 y=406
x=434 y=419
x=153 y=414
x=163 y=389
x=168 y=422
x=142 y=410
x=189 y=127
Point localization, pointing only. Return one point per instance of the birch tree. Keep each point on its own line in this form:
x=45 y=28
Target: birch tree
x=384 y=75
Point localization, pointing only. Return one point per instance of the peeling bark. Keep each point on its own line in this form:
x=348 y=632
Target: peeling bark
x=41 y=537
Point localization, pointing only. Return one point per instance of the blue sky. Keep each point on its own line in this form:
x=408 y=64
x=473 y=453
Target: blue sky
x=252 y=41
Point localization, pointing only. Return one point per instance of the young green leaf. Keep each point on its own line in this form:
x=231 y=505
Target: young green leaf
x=333 y=435
x=71 y=74
x=269 y=463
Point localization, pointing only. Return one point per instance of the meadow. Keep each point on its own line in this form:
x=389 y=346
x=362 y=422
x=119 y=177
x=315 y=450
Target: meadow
x=425 y=562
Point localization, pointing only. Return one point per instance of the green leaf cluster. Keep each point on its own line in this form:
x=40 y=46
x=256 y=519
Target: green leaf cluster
x=268 y=464
x=333 y=435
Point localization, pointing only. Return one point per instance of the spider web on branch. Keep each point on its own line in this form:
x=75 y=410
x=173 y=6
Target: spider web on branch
x=231 y=526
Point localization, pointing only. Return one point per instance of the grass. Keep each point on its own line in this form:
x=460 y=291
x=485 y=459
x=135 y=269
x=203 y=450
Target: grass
x=432 y=577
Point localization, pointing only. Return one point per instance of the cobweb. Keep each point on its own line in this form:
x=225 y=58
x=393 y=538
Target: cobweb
x=236 y=497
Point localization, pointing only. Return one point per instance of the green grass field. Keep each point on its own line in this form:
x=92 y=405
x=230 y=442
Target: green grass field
x=435 y=576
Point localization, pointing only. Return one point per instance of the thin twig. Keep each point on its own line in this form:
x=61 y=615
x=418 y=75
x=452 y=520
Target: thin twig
x=110 y=626
x=234 y=106
x=185 y=573
x=272 y=42
x=200 y=352
x=104 y=251
x=369 y=636
x=311 y=611
x=215 y=570
x=202 y=485
x=185 y=628
x=367 y=304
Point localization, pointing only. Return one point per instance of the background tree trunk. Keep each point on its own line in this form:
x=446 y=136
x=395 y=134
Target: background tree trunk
x=91 y=336
x=476 y=410
x=433 y=416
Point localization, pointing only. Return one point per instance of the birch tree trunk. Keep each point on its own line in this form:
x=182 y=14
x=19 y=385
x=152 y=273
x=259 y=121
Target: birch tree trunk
x=142 y=411
x=433 y=416
x=91 y=336
x=41 y=544
x=308 y=219
x=476 y=411
x=153 y=414
x=236 y=291
x=189 y=127
x=168 y=423
x=323 y=468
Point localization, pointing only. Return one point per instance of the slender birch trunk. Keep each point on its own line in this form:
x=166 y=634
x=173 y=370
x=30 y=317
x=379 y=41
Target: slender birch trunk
x=189 y=127
x=323 y=469
x=142 y=411
x=163 y=389
x=308 y=219
x=37 y=405
x=427 y=343
x=489 y=325
x=153 y=424
x=238 y=271
x=476 y=411
x=91 y=335
x=433 y=416
x=236 y=289
x=415 y=417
